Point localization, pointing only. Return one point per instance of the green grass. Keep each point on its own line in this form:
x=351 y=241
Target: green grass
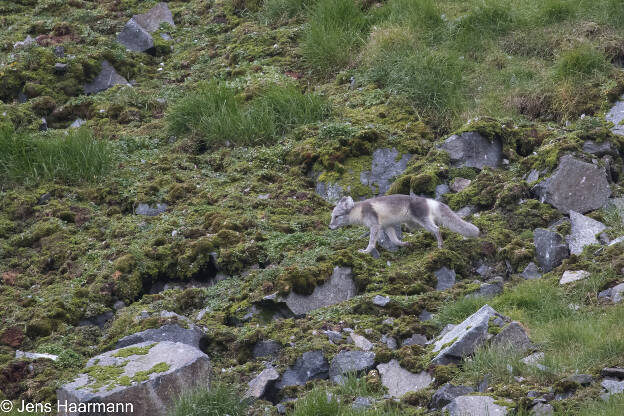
x=333 y=34
x=215 y=113
x=275 y=12
x=612 y=407
x=71 y=158
x=319 y=402
x=580 y=62
x=219 y=400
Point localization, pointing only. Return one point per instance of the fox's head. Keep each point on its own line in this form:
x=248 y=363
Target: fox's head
x=340 y=214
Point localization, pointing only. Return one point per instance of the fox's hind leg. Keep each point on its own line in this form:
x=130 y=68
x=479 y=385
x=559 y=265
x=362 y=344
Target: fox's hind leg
x=372 y=242
x=429 y=225
x=391 y=233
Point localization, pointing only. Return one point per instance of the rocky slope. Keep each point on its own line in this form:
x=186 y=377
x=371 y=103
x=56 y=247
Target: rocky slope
x=192 y=259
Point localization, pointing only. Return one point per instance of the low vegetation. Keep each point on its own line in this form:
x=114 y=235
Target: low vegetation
x=218 y=400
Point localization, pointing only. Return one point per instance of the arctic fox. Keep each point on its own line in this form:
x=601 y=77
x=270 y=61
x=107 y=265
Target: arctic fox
x=387 y=211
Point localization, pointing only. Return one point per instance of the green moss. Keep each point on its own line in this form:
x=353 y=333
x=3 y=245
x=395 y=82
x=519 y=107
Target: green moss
x=101 y=376
x=39 y=328
x=144 y=375
x=125 y=264
x=444 y=373
x=127 y=352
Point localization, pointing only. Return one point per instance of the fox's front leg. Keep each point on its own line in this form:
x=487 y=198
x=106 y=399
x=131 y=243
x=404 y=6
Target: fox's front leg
x=372 y=241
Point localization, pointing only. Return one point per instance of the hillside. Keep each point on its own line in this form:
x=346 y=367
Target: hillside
x=176 y=172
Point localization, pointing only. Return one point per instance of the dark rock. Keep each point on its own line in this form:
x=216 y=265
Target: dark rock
x=339 y=287
x=59 y=51
x=445 y=278
x=613 y=294
x=384 y=240
x=145 y=209
x=267 y=348
x=550 y=249
x=484 y=384
x=99 y=320
x=473 y=150
x=335 y=337
x=575 y=186
x=445 y=394
x=381 y=300
x=170 y=332
x=44 y=199
x=167 y=370
x=389 y=341
x=614 y=372
x=464 y=338
x=599 y=149
x=531 y=272
x=488 y=290
x=399 y=381
x=346 y=362
x=60 y=68
x=415 y=339
x=384 y=168
x=513 y=336
x=262 y=383
x=425 y=316
x=106 y=79
x=583 y=232
x=310 y=366
x=474 y=406
x=21 y=97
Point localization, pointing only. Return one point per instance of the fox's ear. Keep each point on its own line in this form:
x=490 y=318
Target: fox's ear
x=346 y=202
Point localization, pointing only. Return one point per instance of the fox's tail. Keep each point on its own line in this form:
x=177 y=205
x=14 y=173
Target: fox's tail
x=454 y=223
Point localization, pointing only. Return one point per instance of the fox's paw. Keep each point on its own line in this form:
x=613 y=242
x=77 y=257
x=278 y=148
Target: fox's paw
x=363 y=250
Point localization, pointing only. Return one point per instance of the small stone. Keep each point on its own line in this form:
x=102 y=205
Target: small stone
x=473 y=150
x=533 y=360
x=613 y=386
x=35 y=355
x=582 y=379
x=415 y=339
x=483 y=270
x=335 y=337
x=388 y=321
x=361 y=403
x=542 y=409
x=533 y=176
x=459 y=184
x=28 y=42
x=445 y=278
x=399 y=381
x=425 y=316
x=310 y=366
x=531 y=272
x=361 y=342
x=59 y=51
x=44 y=124
x=389 y=341
x=445 y=394
x=77 y=123
x=441 y=190
x=573 y=276
x=550 y=249
x=60 y=68
x=381 y=300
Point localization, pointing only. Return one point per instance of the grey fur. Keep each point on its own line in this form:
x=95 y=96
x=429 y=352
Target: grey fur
x=384 y=212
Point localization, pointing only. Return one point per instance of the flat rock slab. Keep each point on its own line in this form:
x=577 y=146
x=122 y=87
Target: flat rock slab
x=400 y=381
x=150 y=380
x=616 y=115
x=550 y=248
x=106 y=79
x=575 y=186
x=583 y=232
x=259 y=385
x=613 y=386
x=361 y=342
x=346 y=362
x=311 y=365
x=193 y=336
x=338 y=288
x=473 y=150
x=464 y=338
x=474 y=406
x=570 y=276
x=382 y=301
x=386 y=166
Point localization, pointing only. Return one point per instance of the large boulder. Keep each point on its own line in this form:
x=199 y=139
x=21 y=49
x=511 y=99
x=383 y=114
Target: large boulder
x=583 y=233
x=400 y=381
x=141 y=380
x=473 y=150
x=311 y=365
x=339 y=287
x=550 y=248
x=106 y=79
x=464 y=338
x=347 y=362
x=575 y=186
x=136 y=35
x=616 y=115
x=386 y=166
x=193 y=336
x=474 y=406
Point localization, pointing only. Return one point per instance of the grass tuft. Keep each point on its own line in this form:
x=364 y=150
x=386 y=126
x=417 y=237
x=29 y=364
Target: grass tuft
x=581 y=62
x=219 y=400
x=70 y=158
